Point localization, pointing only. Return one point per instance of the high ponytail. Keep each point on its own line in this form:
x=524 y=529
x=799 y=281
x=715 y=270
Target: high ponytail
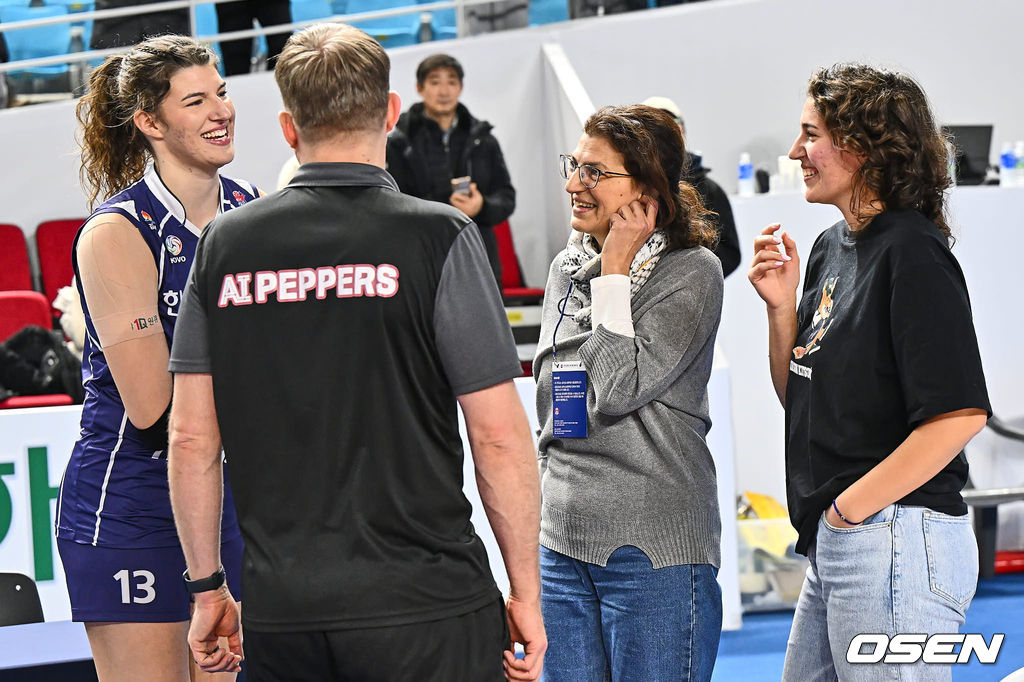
x=114 y=154
x=114 y=151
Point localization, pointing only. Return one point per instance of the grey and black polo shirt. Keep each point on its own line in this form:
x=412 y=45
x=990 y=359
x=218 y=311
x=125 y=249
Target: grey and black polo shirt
x=339 y=319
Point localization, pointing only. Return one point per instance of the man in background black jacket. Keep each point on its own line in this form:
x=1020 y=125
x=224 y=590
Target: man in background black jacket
x=715 y=199
x=437 y=142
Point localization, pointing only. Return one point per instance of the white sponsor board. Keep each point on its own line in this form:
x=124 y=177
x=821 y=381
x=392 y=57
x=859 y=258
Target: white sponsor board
x=35 y=445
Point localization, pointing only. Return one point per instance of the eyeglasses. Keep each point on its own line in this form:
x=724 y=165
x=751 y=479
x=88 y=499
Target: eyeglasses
x=589 y=175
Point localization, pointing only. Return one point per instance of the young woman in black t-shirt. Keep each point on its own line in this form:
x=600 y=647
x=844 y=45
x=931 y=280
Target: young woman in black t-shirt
x=877 y=365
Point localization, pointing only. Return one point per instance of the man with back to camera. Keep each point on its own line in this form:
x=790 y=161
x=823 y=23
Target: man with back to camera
x=439 y=151
x=325 y=338
x=715 y=198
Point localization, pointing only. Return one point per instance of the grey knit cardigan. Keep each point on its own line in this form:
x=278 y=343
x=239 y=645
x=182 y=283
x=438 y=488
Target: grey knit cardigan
x=643 y=476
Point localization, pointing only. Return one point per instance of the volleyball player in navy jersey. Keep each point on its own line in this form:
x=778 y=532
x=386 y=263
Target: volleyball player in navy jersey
x=157 y=125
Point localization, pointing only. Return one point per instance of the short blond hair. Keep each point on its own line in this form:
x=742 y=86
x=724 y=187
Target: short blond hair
x=114 y=150
x=333 y=79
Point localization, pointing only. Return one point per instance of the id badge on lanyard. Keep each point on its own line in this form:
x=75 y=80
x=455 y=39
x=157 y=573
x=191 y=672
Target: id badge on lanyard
x=569 y=395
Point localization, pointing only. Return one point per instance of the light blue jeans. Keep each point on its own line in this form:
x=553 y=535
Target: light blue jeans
x=905 y=570
x=628 y=621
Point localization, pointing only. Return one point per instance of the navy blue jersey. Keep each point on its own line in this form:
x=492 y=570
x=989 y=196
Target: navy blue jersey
x=114 y=492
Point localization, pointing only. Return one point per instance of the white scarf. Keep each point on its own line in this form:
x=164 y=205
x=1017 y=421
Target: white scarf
x=582 y=262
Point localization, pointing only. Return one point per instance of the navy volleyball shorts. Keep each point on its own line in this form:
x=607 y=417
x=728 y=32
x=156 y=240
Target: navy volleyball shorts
x=111 y=585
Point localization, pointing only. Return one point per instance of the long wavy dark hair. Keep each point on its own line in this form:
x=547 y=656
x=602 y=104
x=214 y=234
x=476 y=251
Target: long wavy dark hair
x=114 y=151
x=884 y=116
x=653 y=150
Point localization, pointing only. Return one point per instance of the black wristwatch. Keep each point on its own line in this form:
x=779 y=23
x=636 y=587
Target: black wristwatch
x=204 y=584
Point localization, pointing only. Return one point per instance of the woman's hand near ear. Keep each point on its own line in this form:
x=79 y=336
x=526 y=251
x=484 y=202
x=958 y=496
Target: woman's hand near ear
x=629 y=228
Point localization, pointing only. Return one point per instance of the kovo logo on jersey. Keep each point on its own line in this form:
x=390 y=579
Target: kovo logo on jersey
x=41 y=493
x=173 y=246
x=914 y=647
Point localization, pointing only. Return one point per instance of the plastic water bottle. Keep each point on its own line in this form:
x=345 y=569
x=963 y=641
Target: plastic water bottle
x=745 y=185
x=1018 y=153
x=1007 y=166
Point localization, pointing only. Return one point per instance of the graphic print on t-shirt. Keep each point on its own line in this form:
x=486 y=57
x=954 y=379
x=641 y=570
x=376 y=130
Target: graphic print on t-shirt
x=822 y=319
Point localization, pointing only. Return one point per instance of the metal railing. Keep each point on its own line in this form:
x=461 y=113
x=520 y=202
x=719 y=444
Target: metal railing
x=87 y=55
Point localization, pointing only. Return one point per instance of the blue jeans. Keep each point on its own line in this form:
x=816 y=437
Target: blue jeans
x=905 y=570
x=628 y=621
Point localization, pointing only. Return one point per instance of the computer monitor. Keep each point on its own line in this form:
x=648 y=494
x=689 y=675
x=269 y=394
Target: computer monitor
x=972 y=144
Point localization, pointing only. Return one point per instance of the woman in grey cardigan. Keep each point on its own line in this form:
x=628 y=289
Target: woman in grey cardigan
x=630 y=526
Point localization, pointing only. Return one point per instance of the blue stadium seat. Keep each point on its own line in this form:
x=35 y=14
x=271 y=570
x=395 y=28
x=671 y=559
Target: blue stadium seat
x=307 y=10
x=206 y=25
x=339 y=6
x=442 y=23
x=262 y=49
x=75 y=6
x=41 y=41
x=206 y=20
x=85 y=27
x=391 y=31
x=304 y=10
x=548 y=11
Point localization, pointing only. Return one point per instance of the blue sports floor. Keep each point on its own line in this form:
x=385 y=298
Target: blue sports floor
x=755 y=653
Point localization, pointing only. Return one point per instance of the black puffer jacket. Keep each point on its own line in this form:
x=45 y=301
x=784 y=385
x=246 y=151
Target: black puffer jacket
x=715 y=199
x=423 y=166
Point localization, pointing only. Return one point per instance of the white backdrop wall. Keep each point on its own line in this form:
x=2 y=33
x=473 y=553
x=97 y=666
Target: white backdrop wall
x=736 y=67
x=738 y=70
x=989 y=226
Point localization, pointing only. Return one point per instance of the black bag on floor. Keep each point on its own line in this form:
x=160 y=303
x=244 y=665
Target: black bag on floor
x=35 y=362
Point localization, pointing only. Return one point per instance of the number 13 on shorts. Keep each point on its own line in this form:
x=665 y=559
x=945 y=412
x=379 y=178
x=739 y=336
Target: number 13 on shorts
x=144 y=586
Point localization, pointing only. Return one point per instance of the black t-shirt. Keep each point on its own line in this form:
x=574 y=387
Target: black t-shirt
x=340 y=319
x=885 y=342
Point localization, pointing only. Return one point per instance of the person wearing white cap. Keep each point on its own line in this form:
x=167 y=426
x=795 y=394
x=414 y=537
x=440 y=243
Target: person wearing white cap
x=715 y=198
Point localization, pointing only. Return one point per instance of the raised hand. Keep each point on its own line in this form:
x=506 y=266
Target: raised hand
x=629 y=228
x=775 y=270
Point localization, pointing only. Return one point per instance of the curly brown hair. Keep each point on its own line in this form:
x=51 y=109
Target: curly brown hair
x=653 y=150
x=114 y=152
x=884 y=116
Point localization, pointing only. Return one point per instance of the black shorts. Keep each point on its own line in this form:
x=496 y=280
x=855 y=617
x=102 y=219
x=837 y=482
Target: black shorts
x=465 y=648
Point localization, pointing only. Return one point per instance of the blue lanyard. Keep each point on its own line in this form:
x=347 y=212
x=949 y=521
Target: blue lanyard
x=561 y=315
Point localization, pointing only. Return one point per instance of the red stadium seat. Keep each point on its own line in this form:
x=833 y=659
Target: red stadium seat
x=522 y=303
x=49 y=400
x=54 y=240
x=15 y=271
x=19 y=309
x=513 y=289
